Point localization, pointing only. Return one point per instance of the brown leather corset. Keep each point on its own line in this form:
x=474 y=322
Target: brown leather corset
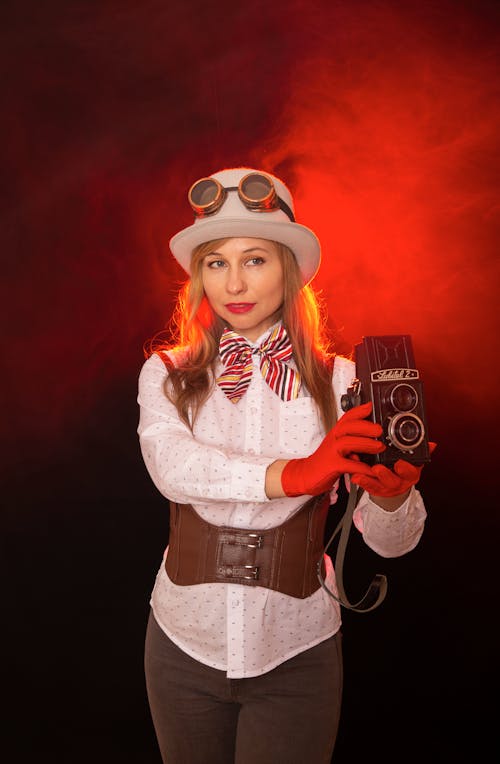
x=284 y=558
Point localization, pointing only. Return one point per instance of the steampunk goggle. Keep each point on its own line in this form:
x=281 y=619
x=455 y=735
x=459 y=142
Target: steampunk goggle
x=256 y=191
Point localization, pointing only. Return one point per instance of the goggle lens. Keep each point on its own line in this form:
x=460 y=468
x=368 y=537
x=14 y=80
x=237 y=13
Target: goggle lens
x=257 y=192
x=206 y=196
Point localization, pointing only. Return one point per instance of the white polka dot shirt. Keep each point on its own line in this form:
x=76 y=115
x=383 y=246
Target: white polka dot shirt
x=220 y=470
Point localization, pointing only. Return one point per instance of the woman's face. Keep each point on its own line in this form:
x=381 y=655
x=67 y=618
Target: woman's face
x=243 y=282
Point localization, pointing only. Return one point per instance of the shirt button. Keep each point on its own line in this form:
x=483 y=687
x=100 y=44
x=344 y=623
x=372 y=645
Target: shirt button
x=235 y=603
x=254 y=410
x=251 y=450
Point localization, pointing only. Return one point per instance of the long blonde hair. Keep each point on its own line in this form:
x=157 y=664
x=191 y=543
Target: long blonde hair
x=196 y=331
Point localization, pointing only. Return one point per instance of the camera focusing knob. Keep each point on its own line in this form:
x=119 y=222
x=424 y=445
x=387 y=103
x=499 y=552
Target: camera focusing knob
x=352 y=397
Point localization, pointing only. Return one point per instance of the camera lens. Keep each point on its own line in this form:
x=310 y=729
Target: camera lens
x=403 y=397
x=406 y=431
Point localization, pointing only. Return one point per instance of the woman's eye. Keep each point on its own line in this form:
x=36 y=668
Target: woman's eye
x=214 y=264
x=256 y=261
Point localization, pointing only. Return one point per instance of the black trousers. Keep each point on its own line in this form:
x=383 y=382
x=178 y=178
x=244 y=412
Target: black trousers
x=289 y=715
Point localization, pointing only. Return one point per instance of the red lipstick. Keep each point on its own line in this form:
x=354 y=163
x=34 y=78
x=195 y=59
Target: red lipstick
x=240 y=307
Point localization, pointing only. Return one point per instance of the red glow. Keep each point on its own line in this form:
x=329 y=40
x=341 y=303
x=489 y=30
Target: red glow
x=205 y=313
x=392 y=134
x=382 y=117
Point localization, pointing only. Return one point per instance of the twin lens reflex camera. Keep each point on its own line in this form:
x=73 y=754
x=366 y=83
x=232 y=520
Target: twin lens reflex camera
x=386 y=375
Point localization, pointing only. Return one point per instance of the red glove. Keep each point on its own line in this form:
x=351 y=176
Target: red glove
x=317 y=473
x=385 y=482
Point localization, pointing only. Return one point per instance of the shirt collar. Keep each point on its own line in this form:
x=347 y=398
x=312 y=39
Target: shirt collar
x=264 y=335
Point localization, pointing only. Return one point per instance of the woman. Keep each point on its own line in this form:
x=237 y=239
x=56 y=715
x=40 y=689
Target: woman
x=238 y=429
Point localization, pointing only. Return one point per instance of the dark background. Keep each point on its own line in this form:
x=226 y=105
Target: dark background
x=383 y=119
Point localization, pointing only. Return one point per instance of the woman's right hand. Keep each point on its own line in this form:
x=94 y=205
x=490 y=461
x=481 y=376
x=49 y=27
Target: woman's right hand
x=335 y=455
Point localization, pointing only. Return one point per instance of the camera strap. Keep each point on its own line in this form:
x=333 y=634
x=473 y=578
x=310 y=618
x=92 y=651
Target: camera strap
x=377 y=590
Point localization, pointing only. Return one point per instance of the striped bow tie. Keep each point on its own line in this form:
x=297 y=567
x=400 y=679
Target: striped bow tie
x=236 y=355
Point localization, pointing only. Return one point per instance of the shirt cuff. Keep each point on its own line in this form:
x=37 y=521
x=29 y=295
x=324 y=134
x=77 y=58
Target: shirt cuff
x=401 y=510
x=391 y=534
x=248 y=479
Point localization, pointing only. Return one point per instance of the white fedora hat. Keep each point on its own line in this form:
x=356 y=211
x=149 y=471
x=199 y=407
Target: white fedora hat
x=234 y=219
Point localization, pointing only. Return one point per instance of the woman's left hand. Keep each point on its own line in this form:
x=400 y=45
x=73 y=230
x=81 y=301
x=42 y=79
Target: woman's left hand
x=387 y=483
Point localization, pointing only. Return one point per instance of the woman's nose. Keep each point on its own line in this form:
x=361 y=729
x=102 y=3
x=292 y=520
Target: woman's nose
x=235 y=283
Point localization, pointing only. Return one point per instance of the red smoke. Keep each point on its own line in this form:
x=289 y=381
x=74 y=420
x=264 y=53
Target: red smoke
x=382 y=117
x=393 y=131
